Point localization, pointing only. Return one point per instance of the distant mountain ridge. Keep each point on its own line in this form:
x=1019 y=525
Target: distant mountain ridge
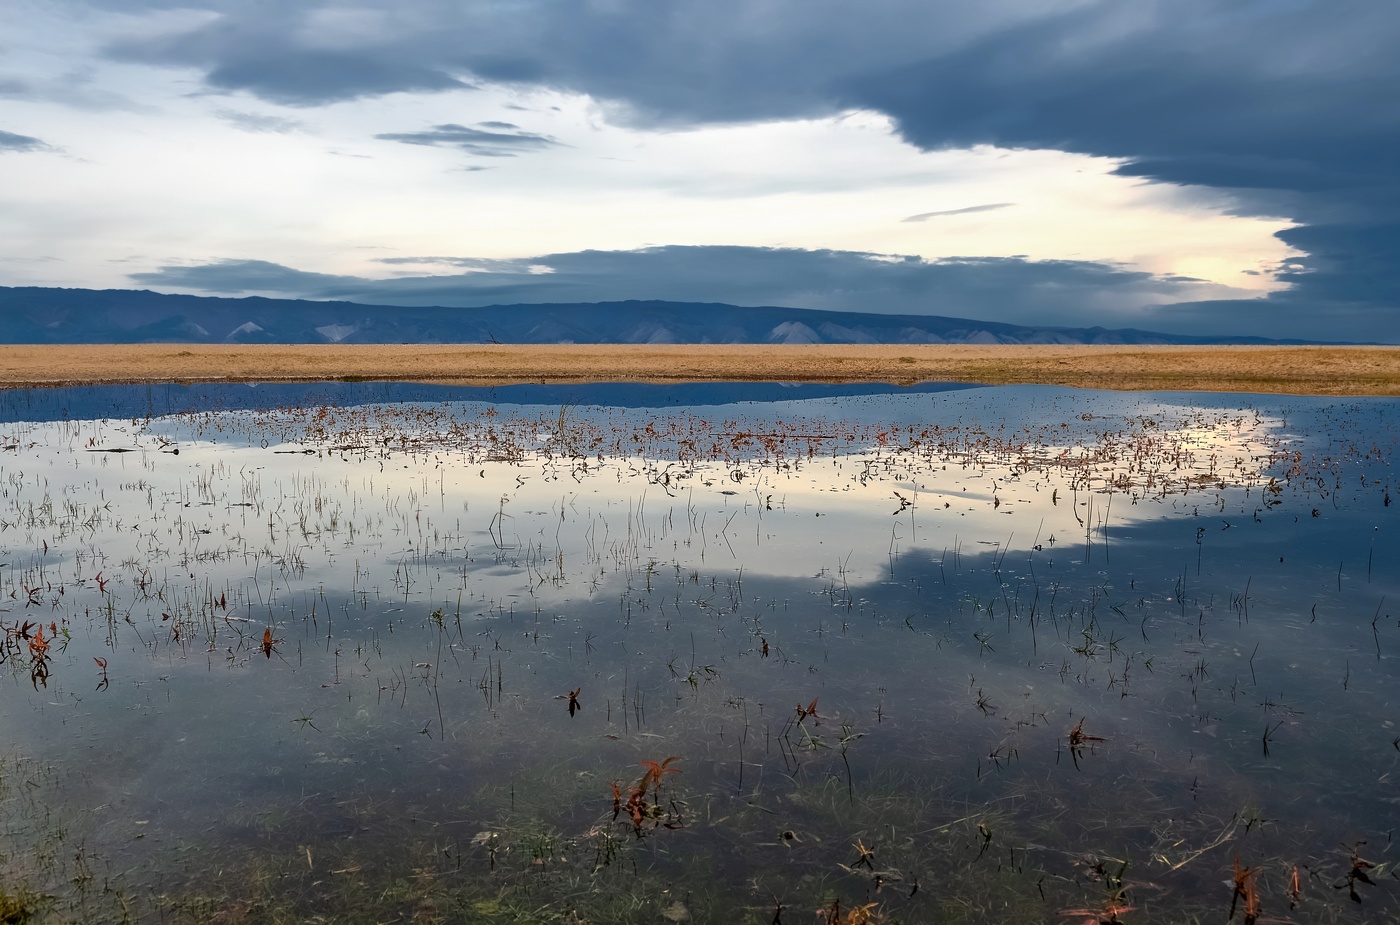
x=37 y=315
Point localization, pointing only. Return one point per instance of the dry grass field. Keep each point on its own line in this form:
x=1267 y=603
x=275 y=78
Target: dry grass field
x=1290 y=370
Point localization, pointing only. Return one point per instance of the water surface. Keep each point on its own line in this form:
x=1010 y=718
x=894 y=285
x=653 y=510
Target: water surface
x=638 y=654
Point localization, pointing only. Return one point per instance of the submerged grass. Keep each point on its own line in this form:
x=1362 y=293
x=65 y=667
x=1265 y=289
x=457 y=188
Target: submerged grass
x=580 y=666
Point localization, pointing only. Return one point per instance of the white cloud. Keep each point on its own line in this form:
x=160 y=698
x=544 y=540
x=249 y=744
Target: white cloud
x=186 y=174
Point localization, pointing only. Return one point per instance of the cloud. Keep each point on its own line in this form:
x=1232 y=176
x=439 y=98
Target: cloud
x=506 y=140
x=986 y=288
x=237 y=277
x=9 y=141
x=968 y=210
x=683 y=62
x=309 y=77
x=79 y=88
x=1269 y=101
x=259 y=123
x=1280 y=103
x=265 y=52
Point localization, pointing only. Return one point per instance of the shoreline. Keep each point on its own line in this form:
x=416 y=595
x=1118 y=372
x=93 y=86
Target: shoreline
x=1300 y=370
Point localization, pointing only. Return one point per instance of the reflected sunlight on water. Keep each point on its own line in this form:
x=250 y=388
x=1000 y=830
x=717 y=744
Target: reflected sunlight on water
x=1017 y=654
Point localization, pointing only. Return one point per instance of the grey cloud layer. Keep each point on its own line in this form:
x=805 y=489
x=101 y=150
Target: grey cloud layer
x=502 y=140
x=1290 y=105
x=969 y=210
x=985 y=288
x=683 y=61
x=274 y=53
x=9 y=141
x=1279 y=103
x=260 y=123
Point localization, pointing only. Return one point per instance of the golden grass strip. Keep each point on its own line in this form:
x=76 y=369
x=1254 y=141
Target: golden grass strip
x=1290 y=370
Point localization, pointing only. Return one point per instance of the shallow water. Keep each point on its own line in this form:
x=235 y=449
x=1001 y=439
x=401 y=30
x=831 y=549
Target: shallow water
x=1012 y=654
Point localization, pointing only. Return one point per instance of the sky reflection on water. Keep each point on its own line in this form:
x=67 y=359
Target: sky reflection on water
x=338 y=641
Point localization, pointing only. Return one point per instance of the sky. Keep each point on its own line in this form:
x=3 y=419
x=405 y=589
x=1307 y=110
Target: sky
x=1193 y=166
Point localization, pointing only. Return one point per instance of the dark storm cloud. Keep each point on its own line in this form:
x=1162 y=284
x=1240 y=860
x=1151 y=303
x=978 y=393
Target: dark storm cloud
x=266 y=52
x=1287 y=104
x=506 y=140
x=1278 y=103
x=989 y=207
x=304 y=77
x=986 y=288
x=9 y=141
x=679 y=62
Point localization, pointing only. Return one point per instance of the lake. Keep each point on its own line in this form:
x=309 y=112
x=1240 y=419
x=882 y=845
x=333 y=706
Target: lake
x=724 y=653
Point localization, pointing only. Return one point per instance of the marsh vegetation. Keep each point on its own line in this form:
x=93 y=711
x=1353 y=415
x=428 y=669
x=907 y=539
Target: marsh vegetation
x=1015 y=655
